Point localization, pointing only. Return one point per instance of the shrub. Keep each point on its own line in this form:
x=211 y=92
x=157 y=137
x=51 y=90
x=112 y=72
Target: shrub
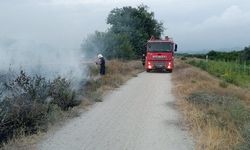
x=23 y=106
x=62 y=94
x=28 y=104
x=54 y=113
x=21 y=114
x=184 y=58
x=92 y=85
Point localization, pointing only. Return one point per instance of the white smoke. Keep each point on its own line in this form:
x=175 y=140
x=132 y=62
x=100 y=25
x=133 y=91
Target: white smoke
x=40 y=59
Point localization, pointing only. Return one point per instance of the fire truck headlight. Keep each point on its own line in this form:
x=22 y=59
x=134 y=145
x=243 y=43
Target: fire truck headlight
x=169 y=65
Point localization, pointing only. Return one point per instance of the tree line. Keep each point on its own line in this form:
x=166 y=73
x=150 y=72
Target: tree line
x=130 y=28
x=242 y=56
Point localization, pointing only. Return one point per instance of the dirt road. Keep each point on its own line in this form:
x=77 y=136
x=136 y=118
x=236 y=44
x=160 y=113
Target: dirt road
x=138 y=116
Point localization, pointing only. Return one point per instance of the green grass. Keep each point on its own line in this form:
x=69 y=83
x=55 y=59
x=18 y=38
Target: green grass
x=231 y=72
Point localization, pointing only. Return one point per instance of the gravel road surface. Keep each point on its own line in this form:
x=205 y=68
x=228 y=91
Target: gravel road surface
x=138 y=116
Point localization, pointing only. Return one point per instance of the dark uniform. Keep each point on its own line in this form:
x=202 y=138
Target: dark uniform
x=143 y=59
x=102 y=66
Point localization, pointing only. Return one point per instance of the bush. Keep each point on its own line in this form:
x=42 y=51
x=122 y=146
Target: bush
x=184 y=58
x=21 y=115
x=23 y=106
x=62 y=94
x=55 y=113
x=27 y=104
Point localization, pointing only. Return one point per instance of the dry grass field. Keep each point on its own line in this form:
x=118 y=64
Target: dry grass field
x=217 y=113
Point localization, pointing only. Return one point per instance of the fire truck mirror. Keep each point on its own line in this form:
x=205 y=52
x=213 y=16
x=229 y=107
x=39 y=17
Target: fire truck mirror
x=175 y=48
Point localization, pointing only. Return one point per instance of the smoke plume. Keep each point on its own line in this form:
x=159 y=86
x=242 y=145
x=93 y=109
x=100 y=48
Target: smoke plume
x=40 y=59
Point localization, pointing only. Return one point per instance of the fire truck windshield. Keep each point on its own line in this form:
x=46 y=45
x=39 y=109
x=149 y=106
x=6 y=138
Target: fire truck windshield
x=160 y=47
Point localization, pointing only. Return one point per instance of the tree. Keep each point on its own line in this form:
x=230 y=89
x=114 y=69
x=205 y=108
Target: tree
x=109 y=44
x=137 y=23
x=224 y=56
x=245 y=55
x=94 y=44
x=212 y=54
x=126 y=38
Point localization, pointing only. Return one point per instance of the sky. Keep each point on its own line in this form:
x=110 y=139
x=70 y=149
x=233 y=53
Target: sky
x=196 y=25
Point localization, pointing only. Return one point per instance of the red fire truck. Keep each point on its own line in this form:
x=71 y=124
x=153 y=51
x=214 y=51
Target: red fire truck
x=160 y=54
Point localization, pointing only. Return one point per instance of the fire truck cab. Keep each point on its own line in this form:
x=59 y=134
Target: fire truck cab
x=160 y=54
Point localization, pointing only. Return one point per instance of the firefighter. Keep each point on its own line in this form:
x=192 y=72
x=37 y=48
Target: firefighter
x=143 y=58
x=101 y=62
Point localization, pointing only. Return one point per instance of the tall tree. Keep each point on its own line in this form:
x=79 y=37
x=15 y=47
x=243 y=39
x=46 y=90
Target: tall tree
x=137 y=23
